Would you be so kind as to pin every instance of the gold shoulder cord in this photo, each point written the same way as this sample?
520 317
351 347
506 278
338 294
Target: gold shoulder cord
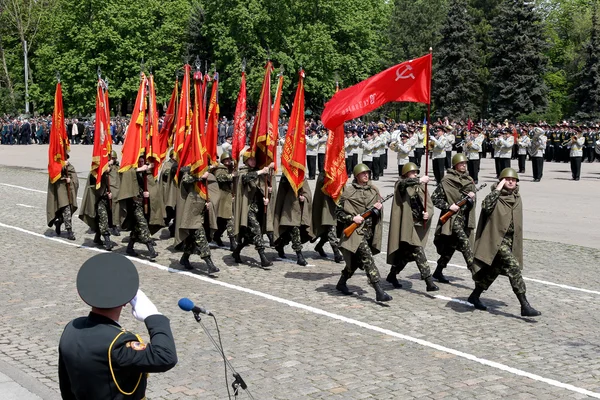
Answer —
112 372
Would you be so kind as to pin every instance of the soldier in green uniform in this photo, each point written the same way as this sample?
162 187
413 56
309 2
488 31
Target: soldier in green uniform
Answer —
454 234
97 358
225 176
324 222
358 249
169 191
61 200
499 242
114 216
409 226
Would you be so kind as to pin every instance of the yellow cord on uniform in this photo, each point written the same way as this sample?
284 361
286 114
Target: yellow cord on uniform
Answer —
113 372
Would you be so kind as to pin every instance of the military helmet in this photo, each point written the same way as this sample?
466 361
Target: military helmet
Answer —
359 169
225 156
409 167
458 158
113 154
509 173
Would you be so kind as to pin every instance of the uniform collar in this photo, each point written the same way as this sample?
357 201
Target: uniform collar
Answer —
101 319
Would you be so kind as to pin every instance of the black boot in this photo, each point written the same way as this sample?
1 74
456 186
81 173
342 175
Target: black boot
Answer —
130 249
115 231
232 244
431 287
280 251
57 227
341 285
218 241
381 295
70 234
438 274
474 298
153 253
338 257
185 261
97 238
212 268
319 248
271 239
237 251
301 260
264 261
393 279
172 230
108 245
526 309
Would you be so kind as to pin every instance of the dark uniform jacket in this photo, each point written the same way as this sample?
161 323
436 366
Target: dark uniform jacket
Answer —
85 370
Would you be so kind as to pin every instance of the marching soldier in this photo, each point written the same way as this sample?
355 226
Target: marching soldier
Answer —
169 190
249 211
225 175
358 249
61 200
409 226
97 358
456 232
292 222
115 183
499 242
324 222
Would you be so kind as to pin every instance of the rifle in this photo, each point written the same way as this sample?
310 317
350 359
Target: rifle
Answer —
446 216
350 229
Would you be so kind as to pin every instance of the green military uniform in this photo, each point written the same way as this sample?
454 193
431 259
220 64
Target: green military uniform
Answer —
100 360
95 209
225 178
169 191
324 223
61 201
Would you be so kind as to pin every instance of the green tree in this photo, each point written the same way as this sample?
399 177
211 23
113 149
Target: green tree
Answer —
517 62
456 88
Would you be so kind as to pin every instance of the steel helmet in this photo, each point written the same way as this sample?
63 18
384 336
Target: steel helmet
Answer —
359 169
509 173
458 158
409 167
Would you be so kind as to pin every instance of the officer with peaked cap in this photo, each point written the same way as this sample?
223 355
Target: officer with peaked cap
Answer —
98 359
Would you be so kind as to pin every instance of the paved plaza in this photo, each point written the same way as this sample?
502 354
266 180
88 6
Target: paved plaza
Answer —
287 330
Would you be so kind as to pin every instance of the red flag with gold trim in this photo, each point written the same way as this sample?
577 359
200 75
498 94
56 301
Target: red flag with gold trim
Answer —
239 122
335 162
183 115
262 121
168 126
107 108
293 158
59 142
274 129
153 145
135 138
101 152
212 127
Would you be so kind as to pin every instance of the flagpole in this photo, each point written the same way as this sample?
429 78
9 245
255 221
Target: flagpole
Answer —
427 130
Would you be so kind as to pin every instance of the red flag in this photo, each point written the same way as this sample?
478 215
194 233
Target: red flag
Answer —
100 153
262 121
335 164
168 125
239 124
153 146
408 81
107 107
183 115
293 159
212 127
274 129
59 142
135 138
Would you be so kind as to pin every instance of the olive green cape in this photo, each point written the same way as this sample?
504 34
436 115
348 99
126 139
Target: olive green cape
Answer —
129 188
323 209
225 209
58 196
456 186
289 211
244 196
167 183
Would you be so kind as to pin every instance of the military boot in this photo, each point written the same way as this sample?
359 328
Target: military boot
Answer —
70 234
526 309
393 279
319 248
237 251
232 244
108 245
172 230
280 251
264 261
185 261
130 249
381 295
97 238
218 241
431 287
341 285
439 275
271 239
301 260
57 227
212 268
151 251
474 298
115 231
338 257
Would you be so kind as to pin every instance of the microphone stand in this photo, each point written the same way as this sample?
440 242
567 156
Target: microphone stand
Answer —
238 381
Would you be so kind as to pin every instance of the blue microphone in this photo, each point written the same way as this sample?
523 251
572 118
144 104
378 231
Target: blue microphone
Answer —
187 305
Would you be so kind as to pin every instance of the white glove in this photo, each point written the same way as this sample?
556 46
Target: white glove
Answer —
142 307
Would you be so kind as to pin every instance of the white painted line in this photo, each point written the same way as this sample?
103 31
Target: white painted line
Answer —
29 189
466 303
431 262
536 280
290 261
25 205
338 317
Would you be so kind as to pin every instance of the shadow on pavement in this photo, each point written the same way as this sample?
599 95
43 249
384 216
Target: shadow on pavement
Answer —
309 276
357 293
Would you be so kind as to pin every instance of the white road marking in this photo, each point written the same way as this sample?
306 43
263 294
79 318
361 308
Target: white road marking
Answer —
338 317
25 205
466 303
29 189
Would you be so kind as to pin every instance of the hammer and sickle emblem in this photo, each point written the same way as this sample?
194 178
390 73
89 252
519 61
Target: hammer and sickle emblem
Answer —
404 74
